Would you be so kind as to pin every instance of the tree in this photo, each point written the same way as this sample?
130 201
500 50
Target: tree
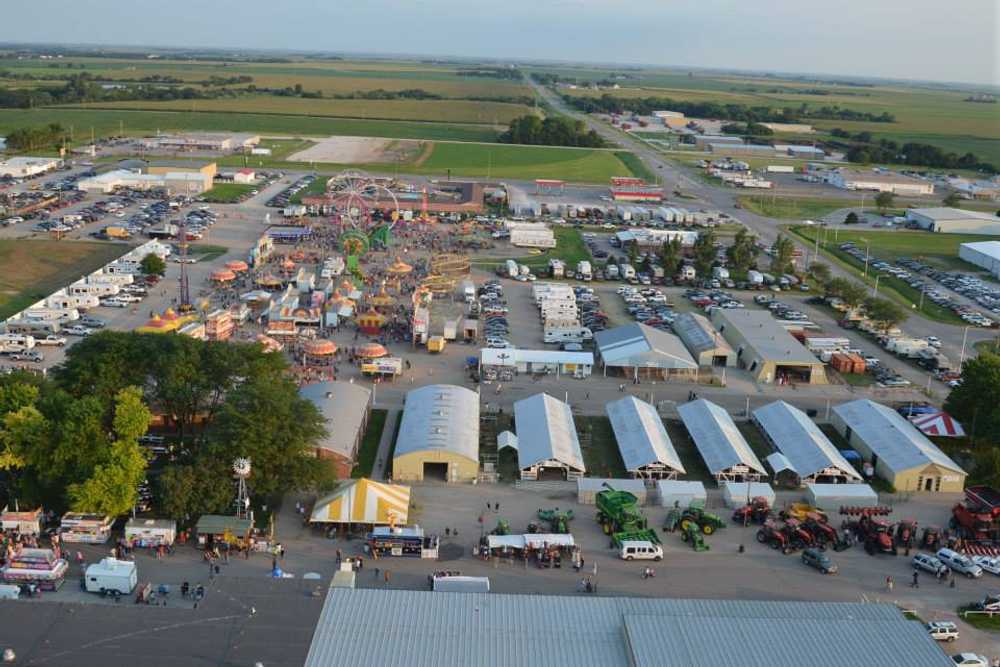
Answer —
189 490
743 251
821 272
670 256
782 254
852 219
153 265
704 252
952 200
886 313
884 201
633 253
976 402
851 293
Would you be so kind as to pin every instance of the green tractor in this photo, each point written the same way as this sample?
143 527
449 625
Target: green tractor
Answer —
696 516
558 521
503 527
691 534
619 515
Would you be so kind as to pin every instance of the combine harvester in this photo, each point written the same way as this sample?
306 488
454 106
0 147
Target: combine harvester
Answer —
978 521
619 515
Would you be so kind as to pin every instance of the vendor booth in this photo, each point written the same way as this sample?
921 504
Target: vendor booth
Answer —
85 528
213 529
40 567
150 532
543 549
405 541
26 523
365 502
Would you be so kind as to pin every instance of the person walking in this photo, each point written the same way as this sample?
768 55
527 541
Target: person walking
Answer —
386 576
916 580
889 584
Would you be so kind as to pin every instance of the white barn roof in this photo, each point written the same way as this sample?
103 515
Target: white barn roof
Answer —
642 438
440 417
796 436
343 406
896 442
546 432
643 346
720 443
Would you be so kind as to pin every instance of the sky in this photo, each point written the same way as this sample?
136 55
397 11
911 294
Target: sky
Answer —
955 41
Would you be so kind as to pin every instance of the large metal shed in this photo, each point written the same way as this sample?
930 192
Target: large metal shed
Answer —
723 448
831 497
680 493
703 341
807 451
642 440
547 443
439 435
736 494
639 351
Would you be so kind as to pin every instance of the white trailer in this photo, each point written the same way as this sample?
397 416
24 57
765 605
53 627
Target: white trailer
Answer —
17 341
570 335
627 271
111 576
69 301
780 169
584 269
52 314
120 279
720 273
755 277
150 532
97 290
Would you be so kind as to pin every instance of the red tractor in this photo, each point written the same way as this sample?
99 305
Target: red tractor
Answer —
876 535
756 512
797 536
906 533
979 518
931 539
771 535
824 534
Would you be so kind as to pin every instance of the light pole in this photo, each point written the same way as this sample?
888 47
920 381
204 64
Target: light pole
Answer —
866 256
965 336
875 291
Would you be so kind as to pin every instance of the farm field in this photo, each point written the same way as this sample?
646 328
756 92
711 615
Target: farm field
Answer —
791 208
31 270
439 111
110 122
579 165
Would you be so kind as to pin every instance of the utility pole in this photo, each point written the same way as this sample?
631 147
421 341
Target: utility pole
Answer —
965 335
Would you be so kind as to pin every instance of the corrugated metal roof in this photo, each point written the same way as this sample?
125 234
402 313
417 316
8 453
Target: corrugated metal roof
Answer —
699 335
796 436
343 406
897 443
434 629
779 463
769 340
546 432
719 442
440 417
639 345
642 438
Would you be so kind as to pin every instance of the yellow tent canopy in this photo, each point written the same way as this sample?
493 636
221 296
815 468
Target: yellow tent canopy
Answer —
364 501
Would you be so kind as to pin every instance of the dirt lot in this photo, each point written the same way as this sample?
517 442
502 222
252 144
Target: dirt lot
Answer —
359 150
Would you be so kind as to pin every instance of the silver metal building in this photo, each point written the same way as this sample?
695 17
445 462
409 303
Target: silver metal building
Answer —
639 351
346 407
723 448
438 435
642 440
807 452
547 444
436 629
703 341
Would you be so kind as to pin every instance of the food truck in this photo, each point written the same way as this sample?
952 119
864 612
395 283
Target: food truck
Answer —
404 541
85 528
150 532
26 523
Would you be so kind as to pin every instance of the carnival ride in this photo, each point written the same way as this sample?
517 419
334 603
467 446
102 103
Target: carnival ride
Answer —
365 210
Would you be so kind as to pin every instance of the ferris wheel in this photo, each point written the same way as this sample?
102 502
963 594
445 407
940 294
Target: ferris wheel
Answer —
361 202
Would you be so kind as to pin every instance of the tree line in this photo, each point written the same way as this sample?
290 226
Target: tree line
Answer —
512 74
33 138
645 106
72 441
553 131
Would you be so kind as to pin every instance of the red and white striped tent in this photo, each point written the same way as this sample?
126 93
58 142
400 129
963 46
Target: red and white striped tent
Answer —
938 423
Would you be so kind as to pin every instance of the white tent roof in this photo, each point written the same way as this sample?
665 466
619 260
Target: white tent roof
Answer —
720 443
796 436
642 438
897 443
440 417
506 439
640 345
546 432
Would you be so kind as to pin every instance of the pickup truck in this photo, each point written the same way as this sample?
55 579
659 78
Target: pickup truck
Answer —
27 355
51 339
78 331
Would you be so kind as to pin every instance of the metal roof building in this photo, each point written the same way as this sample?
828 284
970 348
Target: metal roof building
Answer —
807 451
346 407
984 254
703 341
637 350
439 435
901 454
726 453
434 629
547 443
765 349
954 220
642 440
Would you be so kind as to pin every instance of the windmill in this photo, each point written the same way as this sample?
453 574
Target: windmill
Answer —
241 469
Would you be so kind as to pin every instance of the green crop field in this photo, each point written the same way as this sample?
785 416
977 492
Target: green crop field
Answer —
108 122
31 270
636 166
579 165
439 111
227 193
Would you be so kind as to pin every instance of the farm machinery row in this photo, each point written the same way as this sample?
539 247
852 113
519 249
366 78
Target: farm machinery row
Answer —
620 517
977 521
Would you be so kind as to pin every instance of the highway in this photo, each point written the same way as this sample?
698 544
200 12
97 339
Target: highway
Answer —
766 228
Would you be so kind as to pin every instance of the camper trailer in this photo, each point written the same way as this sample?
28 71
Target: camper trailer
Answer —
111 576
96 290
71 301
52 314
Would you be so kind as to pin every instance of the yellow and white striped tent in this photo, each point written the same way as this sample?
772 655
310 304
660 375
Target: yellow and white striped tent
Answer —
364 501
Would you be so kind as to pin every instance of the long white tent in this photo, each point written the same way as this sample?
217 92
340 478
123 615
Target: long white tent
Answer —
809 453
547 443
723 448
642 440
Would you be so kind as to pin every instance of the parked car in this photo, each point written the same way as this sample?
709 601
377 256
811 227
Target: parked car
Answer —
819 560
28 355
969 660
77 330
942 631
928 563
988 563
959 563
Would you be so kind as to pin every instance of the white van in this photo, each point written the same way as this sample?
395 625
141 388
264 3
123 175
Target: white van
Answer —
641 550
959 563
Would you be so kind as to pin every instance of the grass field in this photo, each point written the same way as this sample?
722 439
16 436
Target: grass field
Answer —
579 165
227 193
601 456
31 270
207 252
437 111
694 465
637 166
108 122
369 445
570 248
791 208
